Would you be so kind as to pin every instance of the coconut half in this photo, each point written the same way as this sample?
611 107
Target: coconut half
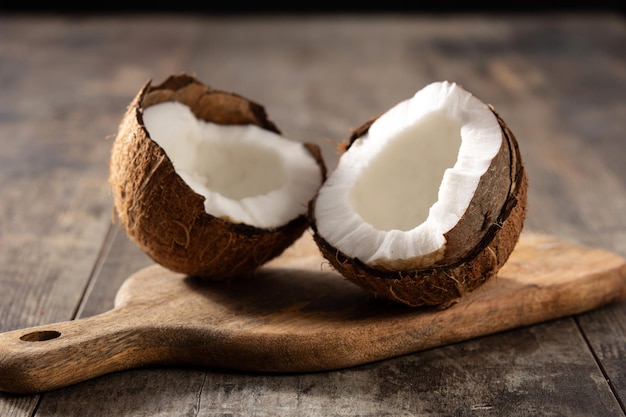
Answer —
205 184
428 200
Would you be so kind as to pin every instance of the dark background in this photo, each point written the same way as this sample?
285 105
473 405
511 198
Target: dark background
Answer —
230 7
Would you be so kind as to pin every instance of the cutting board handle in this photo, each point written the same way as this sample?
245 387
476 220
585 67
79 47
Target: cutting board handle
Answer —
50 356
292 317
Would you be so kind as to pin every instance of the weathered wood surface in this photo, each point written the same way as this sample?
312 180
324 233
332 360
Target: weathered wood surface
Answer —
559 81
295 315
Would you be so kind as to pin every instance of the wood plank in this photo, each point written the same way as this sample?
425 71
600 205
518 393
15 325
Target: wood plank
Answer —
494 375
119 259
365 405
318 78
470 377
293 317
60 102
55 207
576 163
516 373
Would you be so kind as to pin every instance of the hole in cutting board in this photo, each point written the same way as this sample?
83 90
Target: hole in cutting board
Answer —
40 336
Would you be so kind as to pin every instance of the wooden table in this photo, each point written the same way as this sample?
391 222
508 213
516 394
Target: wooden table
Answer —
559 81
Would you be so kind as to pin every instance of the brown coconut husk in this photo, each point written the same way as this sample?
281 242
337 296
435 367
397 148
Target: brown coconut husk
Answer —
477 247
163 215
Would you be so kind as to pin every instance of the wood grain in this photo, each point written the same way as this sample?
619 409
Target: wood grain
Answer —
557 79
292 317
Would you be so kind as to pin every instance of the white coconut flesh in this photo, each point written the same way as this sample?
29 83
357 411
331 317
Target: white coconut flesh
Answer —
246 174
400 187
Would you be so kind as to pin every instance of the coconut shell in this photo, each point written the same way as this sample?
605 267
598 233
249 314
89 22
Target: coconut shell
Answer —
476 248
163 215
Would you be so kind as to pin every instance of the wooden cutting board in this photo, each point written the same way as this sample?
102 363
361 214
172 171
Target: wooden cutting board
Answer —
297 315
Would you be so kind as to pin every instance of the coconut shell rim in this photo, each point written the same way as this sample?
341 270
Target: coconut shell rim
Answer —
510 203
176 250
183 80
